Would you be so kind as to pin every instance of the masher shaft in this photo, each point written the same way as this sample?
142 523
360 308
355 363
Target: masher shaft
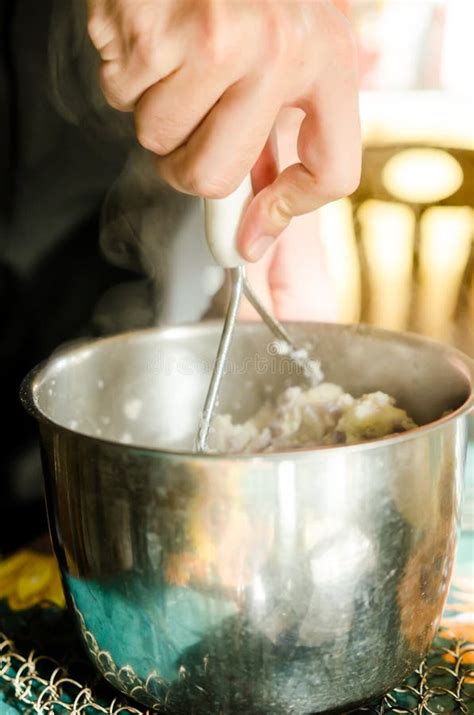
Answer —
237 278
298 355
276 328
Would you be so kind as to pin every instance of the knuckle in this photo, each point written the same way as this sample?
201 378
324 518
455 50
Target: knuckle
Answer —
149 137
154 131
276 39
343 42
95 29
111 89
141 34
192 181
342 182
280 211
214 47
144 48
352 181
279 45
199 182
214 41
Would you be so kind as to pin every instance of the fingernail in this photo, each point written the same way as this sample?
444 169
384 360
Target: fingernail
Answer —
258 247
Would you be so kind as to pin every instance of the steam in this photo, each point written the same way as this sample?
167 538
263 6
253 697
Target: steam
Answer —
157 232
146 226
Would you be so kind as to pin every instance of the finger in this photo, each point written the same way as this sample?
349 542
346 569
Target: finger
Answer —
169 111
124 80
227 144
298 278
135 47
329 148
264 172
101 27
265 169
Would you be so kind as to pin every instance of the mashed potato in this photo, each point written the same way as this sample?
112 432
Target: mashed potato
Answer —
307 418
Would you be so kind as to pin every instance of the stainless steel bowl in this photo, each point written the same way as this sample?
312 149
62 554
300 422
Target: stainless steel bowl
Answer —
294 582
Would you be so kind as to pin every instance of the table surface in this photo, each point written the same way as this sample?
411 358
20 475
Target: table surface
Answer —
42 668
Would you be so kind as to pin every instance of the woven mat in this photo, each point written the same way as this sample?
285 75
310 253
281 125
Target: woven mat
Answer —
43 671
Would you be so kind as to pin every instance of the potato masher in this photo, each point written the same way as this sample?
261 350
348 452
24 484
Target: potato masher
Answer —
222 219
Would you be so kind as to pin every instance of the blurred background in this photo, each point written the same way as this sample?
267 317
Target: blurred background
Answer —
399 252
404 254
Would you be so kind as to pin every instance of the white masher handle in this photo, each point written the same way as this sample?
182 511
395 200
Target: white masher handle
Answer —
222 219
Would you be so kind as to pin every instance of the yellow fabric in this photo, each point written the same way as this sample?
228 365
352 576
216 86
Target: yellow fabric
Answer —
28 579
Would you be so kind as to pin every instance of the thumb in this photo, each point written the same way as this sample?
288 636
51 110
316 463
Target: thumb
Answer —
291 194
329 168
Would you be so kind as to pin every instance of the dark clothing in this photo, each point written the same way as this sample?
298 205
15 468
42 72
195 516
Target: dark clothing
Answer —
62 150
53 179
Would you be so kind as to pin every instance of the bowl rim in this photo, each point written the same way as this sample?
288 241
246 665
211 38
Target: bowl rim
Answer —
462 362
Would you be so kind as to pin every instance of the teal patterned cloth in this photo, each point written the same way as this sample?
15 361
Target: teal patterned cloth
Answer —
445 681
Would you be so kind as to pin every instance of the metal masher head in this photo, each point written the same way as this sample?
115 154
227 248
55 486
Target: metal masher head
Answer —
222 219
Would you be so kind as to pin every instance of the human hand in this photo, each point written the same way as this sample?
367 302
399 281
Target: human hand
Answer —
207 79
292 278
